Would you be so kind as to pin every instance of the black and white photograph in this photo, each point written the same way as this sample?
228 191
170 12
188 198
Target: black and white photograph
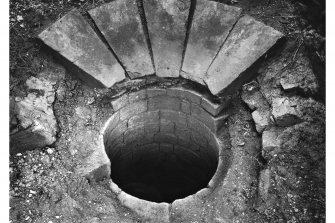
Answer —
166 111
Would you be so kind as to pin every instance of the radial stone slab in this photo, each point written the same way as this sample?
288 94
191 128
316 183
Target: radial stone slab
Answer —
120 23
166 21
74 39
248 41
211 24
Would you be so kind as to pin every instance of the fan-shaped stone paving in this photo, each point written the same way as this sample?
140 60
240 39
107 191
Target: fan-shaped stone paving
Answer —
211 25
120 24
73 38
221 44
153 131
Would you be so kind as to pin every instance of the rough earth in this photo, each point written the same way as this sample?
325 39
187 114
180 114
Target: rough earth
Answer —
281 114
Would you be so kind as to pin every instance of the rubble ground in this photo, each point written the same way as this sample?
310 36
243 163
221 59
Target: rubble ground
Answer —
281 113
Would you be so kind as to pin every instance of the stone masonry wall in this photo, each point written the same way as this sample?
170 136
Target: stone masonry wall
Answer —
176 116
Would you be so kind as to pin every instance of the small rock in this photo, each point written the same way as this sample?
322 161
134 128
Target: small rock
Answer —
90 100
254 98
19 154
19 18
271 143
284 112
261 119
50 151
288 86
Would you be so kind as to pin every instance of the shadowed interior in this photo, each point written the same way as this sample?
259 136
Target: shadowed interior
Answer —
158 151
161 172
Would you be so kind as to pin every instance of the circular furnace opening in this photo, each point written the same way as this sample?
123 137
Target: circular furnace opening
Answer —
159 151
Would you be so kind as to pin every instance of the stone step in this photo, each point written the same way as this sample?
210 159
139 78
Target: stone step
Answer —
74 39
247 42
211 24
120 23
166 21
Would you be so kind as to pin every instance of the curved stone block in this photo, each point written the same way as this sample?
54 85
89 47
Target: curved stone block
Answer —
119 21
247 42
166 21
74 39
211 24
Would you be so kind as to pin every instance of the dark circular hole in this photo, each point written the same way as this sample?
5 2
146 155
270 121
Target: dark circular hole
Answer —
160 154
161 172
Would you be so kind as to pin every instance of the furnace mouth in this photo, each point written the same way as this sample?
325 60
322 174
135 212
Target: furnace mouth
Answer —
158 151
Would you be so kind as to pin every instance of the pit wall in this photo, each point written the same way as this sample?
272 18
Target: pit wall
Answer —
176 116
187 119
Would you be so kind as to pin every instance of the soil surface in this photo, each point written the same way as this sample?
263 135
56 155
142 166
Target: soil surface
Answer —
281 114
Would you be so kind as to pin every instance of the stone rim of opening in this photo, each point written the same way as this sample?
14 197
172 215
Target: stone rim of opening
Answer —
143 207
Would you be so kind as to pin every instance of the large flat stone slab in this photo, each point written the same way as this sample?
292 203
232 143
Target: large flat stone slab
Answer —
119 21
211 24
166 20
248 41
36 116
74 39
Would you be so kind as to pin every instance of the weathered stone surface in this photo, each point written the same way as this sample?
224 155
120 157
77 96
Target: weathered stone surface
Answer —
248 41
212 107
35 115
133 134
264 183
202 115
271 143
120 23
166 126
137 96
152 92
284 111
211 24
30 138
164 102
120 102
95 163
190 206
300 77
174 116
261 119
73 38
117 132
188 94
151 212
185 106
133 109
144 119
162 137
167 30
198 126
253 97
